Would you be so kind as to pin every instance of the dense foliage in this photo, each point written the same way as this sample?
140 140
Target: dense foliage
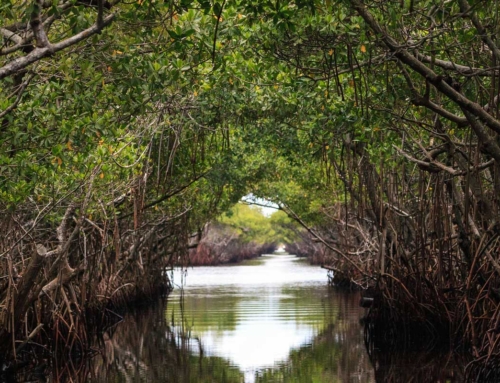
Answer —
250 222
126 127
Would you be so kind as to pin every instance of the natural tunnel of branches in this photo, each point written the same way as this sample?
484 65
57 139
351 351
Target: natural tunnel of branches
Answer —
127 129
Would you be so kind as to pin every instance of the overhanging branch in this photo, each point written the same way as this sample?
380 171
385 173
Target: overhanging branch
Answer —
41 52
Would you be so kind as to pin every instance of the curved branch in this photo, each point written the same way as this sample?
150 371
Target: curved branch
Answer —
39 53
418 66
460 69
9 35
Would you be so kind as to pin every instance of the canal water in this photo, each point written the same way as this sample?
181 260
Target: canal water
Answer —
269 320
272 319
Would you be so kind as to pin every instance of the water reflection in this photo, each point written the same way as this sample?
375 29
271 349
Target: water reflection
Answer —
416 363
144 349
268 321
147 349
407 366
263 316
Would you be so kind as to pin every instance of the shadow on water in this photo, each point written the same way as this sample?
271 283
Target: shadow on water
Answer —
415 363
148 348
145 347
334 354
142 348
412 352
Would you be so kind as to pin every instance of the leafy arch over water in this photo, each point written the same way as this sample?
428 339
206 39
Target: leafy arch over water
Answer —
126 127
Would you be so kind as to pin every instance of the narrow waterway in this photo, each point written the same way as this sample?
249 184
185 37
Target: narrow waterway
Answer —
269 320
272 319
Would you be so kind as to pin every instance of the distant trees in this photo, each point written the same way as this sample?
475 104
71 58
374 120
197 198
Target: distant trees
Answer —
243 232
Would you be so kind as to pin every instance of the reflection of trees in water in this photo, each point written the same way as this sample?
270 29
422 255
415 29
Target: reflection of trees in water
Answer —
333 356
417 362
336 354
216 313
144 348
140 349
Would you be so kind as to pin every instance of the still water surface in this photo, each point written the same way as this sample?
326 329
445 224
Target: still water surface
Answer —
270 320
273 319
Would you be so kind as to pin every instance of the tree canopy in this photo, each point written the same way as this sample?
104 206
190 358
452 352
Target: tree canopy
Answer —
126 126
